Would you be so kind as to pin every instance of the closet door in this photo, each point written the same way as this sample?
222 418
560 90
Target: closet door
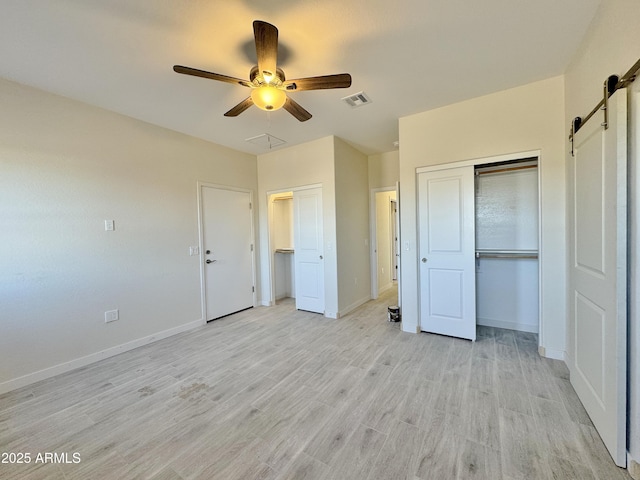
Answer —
308 240
447 248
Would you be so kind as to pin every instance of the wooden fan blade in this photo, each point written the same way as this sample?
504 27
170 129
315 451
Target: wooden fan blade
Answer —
213 76
266 36
296 110
239 108
340 80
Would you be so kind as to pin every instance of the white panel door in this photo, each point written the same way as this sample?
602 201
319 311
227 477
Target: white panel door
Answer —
598 274
308 250
227 251
447 252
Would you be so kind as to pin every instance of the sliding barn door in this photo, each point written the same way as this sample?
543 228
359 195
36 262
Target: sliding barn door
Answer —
447 252
598 274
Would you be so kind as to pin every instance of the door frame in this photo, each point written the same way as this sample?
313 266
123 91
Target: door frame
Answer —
270 260
203 286
373 243
483 161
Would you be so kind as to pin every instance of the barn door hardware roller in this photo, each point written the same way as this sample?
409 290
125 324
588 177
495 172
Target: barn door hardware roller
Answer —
608 88
611 85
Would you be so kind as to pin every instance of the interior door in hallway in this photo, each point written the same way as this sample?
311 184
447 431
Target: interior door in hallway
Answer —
308 249
227 251
446 252
598 274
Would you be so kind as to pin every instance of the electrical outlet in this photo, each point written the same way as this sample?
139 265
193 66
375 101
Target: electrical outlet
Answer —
111 316
109 225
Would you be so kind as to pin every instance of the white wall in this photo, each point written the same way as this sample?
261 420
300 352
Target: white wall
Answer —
65 167
352 221
307 164
526 118
384 169
611 47
383 239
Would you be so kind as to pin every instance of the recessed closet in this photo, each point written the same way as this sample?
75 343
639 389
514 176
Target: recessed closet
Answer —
282 244
506 225
478 244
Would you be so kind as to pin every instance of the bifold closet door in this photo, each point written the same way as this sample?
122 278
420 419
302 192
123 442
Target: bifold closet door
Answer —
446 252
598 274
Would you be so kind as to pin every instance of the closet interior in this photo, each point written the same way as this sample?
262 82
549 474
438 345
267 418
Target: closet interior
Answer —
282 244
506 217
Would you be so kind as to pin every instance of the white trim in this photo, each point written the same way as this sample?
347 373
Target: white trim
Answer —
203 296
34 377
480 161
553 354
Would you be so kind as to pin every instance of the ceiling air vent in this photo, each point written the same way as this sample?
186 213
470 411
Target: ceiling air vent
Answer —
266 141
357 99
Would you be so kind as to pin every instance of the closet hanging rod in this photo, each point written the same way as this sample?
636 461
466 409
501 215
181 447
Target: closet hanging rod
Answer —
531 254
507 169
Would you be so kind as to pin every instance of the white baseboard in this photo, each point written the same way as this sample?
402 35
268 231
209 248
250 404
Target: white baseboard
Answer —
34 377
551 353
385 288
353 306
521 327
266 303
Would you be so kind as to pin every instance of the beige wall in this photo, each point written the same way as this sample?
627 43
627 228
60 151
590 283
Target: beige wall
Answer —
526 118
65 167
297 166
611 47
384 169
352 221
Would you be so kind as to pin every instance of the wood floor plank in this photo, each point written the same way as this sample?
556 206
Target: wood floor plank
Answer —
357 458
524 455
398 458
438 455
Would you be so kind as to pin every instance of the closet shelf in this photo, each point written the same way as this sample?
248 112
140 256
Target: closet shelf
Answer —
488 253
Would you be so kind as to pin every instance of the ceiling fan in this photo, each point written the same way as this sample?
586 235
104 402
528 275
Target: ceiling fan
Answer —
267 82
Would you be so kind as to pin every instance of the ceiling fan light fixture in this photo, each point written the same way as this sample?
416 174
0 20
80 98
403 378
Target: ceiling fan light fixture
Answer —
268 98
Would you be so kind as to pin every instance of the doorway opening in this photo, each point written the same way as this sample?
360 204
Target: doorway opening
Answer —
385 241
479 242
296 240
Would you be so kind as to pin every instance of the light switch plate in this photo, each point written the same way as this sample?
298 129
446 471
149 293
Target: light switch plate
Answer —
111 316
194 251
109 225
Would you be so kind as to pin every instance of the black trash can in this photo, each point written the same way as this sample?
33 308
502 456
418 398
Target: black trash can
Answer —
393 313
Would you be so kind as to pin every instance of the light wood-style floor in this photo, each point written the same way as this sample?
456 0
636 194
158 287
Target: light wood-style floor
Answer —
273 393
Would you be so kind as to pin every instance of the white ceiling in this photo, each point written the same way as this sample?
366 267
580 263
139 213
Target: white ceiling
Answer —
408 56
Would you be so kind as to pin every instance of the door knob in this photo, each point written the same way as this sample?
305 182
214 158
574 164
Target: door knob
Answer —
424 260
211 261
320 257
208 252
